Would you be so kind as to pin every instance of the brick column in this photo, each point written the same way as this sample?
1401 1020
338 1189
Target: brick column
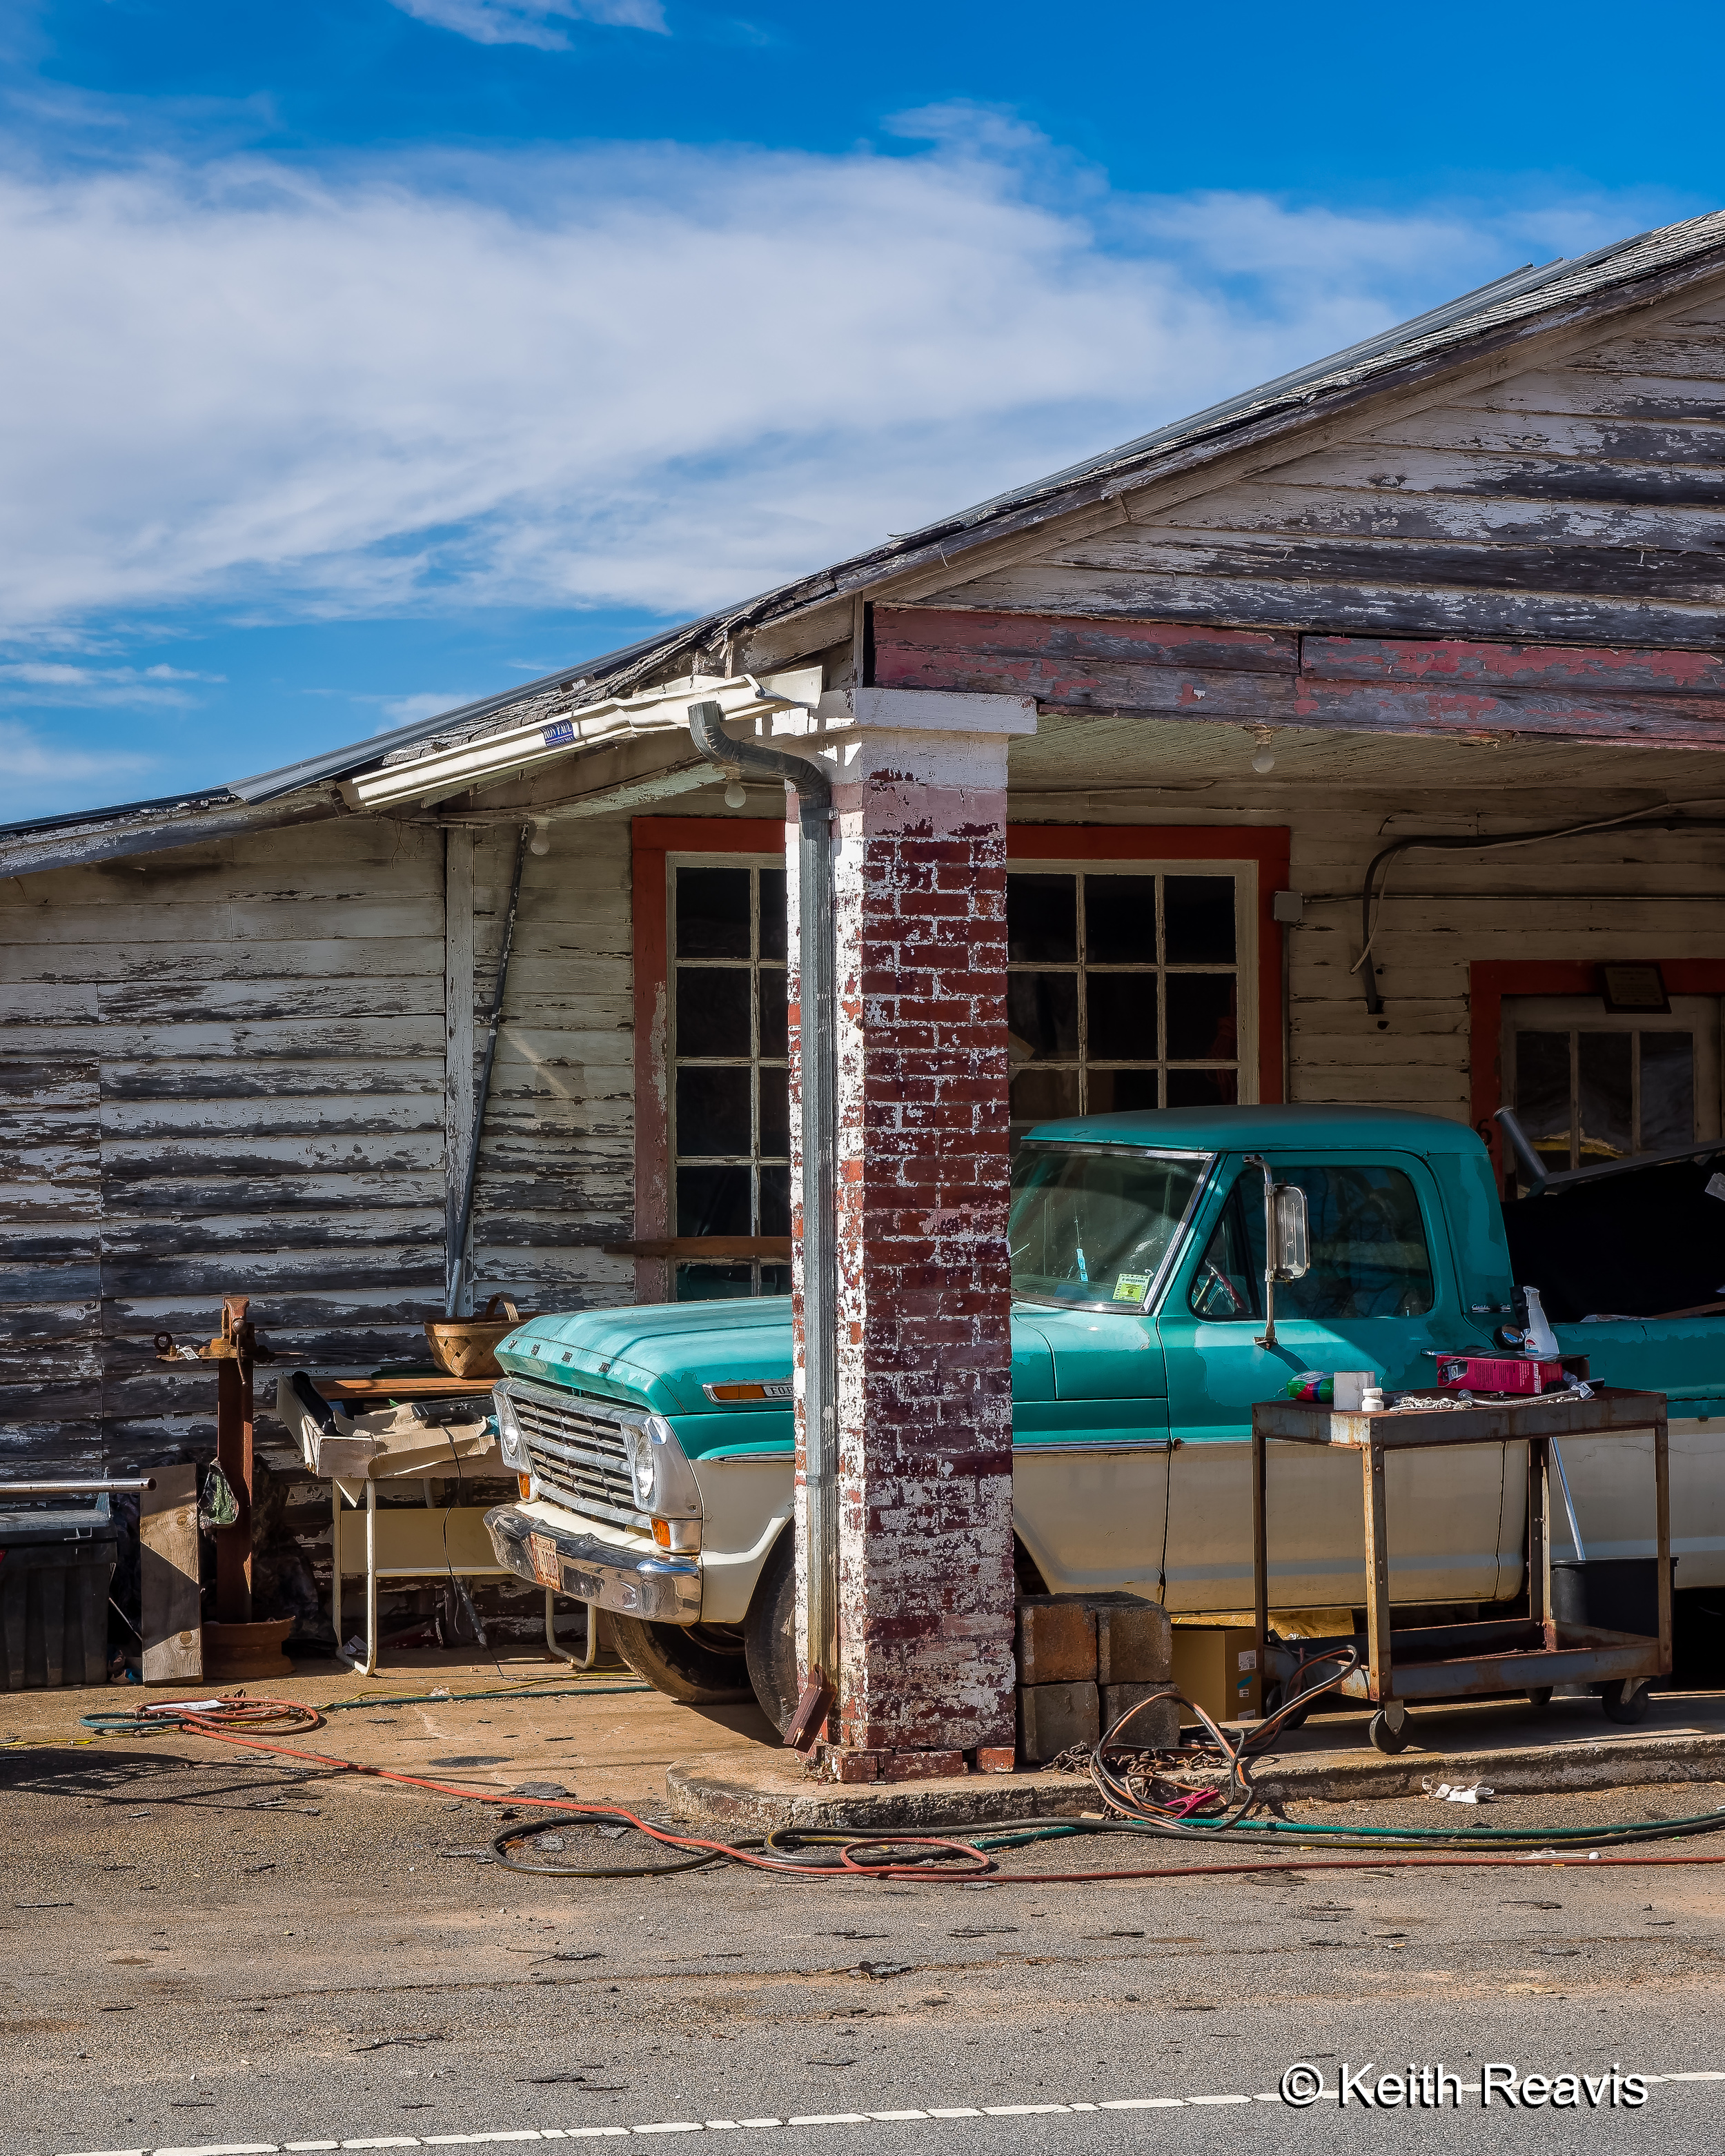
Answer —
925 1594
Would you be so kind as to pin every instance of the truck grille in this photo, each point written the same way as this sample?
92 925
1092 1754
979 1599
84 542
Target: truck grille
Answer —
576 1450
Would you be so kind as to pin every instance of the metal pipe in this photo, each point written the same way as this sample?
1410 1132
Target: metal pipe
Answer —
127 1483
458 1270
1568 1503
817 964
1267 1338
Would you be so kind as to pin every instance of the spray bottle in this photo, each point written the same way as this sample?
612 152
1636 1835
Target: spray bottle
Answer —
1541 1341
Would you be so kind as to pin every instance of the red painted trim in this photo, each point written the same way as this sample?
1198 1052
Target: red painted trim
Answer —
653 838
1268 846
1490 980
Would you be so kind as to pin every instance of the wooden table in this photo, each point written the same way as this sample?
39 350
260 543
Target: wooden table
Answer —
402 1541
1499 1655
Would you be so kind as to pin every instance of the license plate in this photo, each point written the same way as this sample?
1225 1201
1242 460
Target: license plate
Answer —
546 1565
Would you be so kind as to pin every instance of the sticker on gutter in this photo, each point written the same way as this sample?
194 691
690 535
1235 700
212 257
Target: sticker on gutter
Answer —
559 733
1132 1287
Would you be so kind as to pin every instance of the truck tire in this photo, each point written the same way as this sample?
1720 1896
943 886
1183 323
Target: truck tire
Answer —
700 1665
769 1634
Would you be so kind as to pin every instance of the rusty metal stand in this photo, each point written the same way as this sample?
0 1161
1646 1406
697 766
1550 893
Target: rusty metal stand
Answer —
1502 1655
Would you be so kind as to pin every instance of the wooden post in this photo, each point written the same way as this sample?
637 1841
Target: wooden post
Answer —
233 1456
1378 1649
458 1041
1539 1531
1662 1529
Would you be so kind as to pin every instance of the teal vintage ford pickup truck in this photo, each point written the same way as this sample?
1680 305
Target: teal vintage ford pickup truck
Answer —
657 1441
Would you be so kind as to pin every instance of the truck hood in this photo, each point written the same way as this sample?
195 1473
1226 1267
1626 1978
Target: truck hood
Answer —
661 1355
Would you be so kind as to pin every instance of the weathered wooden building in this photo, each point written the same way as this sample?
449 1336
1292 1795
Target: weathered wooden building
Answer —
1458 586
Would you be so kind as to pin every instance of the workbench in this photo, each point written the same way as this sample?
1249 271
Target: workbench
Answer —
1528 1655
375 1439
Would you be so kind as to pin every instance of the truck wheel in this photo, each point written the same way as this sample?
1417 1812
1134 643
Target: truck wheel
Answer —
700 1665
770 1634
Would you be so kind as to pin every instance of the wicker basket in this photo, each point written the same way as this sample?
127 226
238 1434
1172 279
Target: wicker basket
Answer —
466 1347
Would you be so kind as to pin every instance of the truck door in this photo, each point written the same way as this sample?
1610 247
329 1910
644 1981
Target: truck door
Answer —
1381 1291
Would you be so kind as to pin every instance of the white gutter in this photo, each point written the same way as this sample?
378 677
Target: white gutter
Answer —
496 757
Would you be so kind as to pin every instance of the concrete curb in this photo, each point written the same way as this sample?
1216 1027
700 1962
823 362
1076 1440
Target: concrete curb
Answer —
756 1798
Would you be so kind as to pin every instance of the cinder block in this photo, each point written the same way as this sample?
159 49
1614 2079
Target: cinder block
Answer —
921 1766
996 1760
1135 1644
1051 1716
1057 1640
1154 1728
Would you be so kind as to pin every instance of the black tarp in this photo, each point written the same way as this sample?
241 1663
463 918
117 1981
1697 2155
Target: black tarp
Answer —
1642 1244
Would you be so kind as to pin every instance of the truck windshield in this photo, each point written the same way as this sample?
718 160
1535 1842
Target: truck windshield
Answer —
1094 1226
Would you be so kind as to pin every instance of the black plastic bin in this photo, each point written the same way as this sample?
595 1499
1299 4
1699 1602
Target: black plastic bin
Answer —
56 1564
1611 1593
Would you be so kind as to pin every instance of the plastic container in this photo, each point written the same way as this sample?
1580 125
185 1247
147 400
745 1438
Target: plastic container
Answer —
1611 1593
56 1566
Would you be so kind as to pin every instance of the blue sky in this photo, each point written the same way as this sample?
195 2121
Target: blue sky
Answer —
360 357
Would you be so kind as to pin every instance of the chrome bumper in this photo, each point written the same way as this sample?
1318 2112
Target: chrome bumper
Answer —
666 1589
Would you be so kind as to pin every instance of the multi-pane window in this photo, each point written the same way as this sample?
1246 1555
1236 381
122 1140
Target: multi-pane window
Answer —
729 1054
1122 990
1589 1086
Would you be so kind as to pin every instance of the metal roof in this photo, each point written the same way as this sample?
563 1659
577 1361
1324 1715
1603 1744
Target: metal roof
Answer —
1520 298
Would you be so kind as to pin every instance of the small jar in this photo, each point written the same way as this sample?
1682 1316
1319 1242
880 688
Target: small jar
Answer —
1371 1400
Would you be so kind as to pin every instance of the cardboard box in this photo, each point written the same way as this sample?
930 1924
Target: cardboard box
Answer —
1217 1666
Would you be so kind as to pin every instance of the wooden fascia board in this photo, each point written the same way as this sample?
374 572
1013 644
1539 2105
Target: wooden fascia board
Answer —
83 845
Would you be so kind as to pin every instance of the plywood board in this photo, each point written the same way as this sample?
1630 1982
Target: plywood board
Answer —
171 1620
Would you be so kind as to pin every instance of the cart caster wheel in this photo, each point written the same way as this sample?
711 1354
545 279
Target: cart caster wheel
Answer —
1621 1708
1385 1738
1540 1697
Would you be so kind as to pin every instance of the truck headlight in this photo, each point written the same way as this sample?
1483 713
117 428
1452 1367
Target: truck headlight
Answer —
663 1481
511 1439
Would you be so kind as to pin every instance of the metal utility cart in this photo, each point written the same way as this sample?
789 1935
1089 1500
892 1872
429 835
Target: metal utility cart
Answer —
1526 1654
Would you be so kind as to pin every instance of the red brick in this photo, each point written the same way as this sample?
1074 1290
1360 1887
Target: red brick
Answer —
922 1766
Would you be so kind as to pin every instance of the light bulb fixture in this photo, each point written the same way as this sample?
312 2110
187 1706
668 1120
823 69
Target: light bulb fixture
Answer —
735 796
540 843
1265 759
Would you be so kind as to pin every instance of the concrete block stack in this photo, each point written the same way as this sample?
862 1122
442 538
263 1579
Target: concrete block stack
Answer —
1084 1659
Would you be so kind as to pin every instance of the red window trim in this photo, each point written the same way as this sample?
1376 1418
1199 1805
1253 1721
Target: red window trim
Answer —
655 837
1490 980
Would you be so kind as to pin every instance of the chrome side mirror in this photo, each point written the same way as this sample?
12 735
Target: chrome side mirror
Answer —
1290 1253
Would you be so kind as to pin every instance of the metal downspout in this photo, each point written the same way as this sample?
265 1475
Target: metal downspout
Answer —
458 1271
816 1032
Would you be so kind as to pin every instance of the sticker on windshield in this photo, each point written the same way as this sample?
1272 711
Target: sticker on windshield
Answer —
1132 1287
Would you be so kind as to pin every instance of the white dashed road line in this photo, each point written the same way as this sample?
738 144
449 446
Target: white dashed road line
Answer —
737 2125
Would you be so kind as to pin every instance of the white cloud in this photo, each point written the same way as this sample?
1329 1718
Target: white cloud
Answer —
402 711
38 681
32 765
651 377
531 22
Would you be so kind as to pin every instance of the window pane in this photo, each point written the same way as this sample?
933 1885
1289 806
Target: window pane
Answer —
1042 1009
714 1283
1603 1065
1039 1097
1369 1254
772 915
1042 917
775 1201
713 913
1201 1016
775 1124
1229 1284
1198 919
775 1018
1114 1092
1120 920
1085 1228
1122 1014
1668 1090
712 1010
712 1116
713 1201
775 1280
1543 1093
1202 1089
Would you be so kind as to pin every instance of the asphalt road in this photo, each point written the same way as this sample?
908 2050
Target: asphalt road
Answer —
201 1949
